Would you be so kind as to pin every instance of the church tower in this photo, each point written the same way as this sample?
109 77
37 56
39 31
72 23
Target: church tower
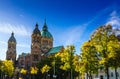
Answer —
46 39
35 46
11 51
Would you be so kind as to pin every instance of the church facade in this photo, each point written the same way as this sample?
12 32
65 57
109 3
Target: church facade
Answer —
41 45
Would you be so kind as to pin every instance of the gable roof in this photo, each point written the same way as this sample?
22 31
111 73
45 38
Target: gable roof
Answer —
55 50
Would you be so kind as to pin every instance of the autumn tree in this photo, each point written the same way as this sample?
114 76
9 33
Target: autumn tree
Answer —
7 67
69 60
89 60
103 41
23 72
47 66
33 71
114 55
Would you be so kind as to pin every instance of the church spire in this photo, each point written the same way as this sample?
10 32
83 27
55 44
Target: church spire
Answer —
12 34
45 28
36 30
12 38
36 25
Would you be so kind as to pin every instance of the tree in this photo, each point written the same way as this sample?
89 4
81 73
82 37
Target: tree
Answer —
89 60
101 39
23 72
61 64
33 71
41 66
52 61
114 55
7 67
68 58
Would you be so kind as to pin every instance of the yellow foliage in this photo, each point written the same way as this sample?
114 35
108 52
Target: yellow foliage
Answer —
103 60
23 71
7 67
46 68
66 66
58 54
20 78
34 70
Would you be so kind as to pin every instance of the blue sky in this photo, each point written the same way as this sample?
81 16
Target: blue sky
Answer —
69 21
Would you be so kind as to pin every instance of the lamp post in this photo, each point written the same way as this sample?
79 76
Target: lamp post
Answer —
54 76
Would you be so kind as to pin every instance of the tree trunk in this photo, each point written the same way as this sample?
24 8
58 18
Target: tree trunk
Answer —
71 75
87 75
107 72
116 73
90 76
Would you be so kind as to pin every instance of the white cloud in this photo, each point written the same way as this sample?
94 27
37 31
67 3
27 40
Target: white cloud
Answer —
18 29
114 20
72 35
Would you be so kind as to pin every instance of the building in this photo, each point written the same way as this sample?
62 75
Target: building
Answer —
102 75
41 45
11 50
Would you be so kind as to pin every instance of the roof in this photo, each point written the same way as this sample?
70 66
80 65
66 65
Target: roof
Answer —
45 32
24 54
55 50
36 30
12 38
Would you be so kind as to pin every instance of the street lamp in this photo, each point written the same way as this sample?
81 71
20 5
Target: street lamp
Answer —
54 76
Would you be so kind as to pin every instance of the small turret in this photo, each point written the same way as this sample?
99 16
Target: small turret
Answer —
36 30
12 38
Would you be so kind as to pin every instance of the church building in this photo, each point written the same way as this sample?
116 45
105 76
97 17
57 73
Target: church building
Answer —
41 46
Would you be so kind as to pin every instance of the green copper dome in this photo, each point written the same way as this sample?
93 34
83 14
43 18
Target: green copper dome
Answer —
12 38
45 32
36 30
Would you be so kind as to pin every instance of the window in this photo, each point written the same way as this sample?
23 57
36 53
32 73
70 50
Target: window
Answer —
111 74
45 42
117 74
35 57
101 76
22 62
